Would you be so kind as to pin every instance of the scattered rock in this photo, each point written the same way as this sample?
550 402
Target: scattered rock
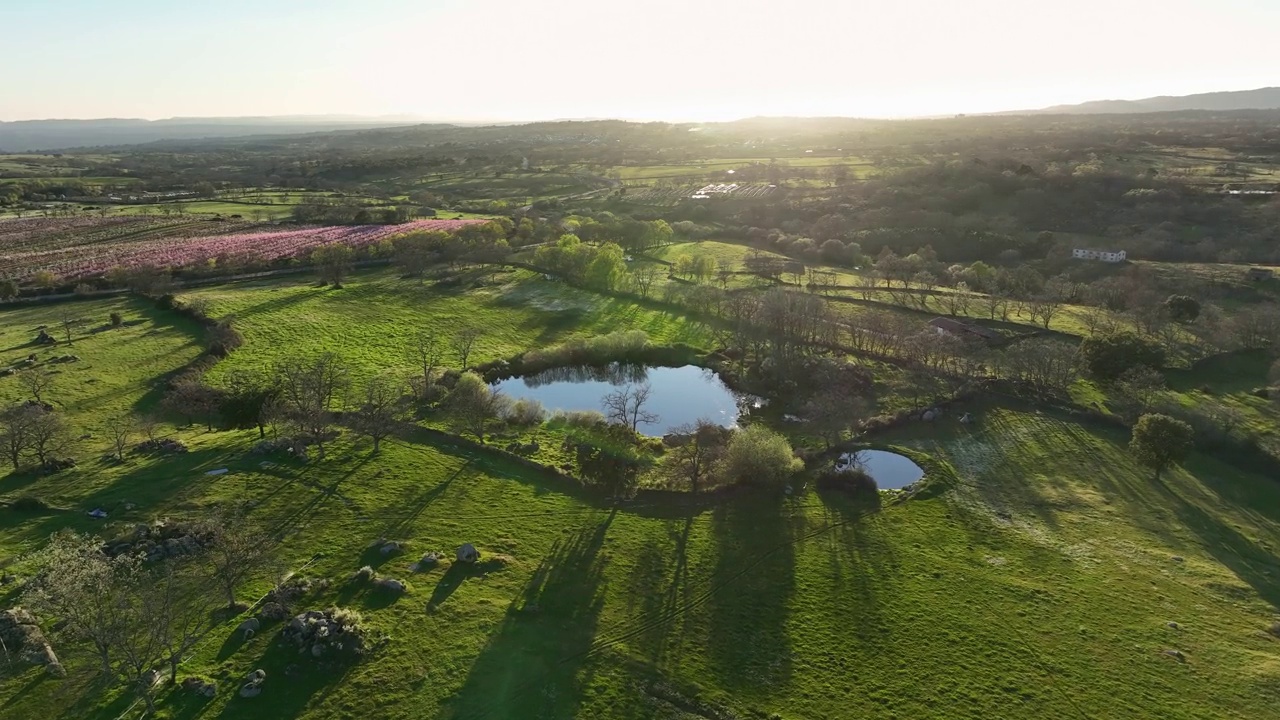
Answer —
163 446
249 627
1173 625
427 561
391 584
1176 655
200 686
57 465
161 539
218 471
390 547
1178 558
468 553
44 338
273 611
337 632
257 675
249 690
23 638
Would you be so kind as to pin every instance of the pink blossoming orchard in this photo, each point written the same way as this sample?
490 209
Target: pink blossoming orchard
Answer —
81 248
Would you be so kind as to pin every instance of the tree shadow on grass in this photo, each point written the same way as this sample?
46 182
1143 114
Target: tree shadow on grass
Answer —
533 663
286 694
748 646
860 563
1250 561
660 588
420 503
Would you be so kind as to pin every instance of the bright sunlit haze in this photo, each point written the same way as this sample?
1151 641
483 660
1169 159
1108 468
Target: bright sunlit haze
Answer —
502 60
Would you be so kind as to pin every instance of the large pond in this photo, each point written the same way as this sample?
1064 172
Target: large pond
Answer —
891 471
679 395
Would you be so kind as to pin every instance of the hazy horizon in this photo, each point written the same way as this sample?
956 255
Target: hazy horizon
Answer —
493 61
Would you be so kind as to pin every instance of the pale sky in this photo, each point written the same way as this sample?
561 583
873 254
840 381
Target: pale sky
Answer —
639 59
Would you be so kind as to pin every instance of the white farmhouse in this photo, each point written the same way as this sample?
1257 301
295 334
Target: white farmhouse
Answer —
1103 255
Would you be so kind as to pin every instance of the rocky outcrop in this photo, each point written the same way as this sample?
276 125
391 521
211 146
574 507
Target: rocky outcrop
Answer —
24 641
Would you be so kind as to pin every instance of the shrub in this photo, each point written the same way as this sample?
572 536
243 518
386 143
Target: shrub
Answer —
579 351
364 574
116 318
30 503
759 456
1109 356
166 302
526 412
854 481
580 418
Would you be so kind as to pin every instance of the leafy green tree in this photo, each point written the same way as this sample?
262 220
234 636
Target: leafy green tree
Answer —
1107 357
472 404
8 289
657 232
759 456
248 395
1182 308
333 261
1159 441
607 267
704 266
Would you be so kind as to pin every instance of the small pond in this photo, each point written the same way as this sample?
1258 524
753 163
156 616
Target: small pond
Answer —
891 471
680 395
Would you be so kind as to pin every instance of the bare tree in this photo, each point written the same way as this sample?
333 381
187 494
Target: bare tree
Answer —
309 391
180 613
237 551
464 341
148 424
70 321
49 433
693 458
625 406
16 431
193 400
88 591
380 411
120 429
427 351
830 413
643 277
36 380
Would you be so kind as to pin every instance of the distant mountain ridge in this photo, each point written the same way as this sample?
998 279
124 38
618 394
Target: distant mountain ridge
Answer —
38 135
1267 98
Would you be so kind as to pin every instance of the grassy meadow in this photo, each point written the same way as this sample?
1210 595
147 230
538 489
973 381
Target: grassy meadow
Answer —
1054 579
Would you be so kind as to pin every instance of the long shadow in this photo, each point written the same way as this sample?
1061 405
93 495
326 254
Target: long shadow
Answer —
419 504
154 483
286 694
534 663
861 565
449 583
747 645
1251 562
660 588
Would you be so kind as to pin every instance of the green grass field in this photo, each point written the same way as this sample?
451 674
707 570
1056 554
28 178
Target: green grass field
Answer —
1055 579
373 319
